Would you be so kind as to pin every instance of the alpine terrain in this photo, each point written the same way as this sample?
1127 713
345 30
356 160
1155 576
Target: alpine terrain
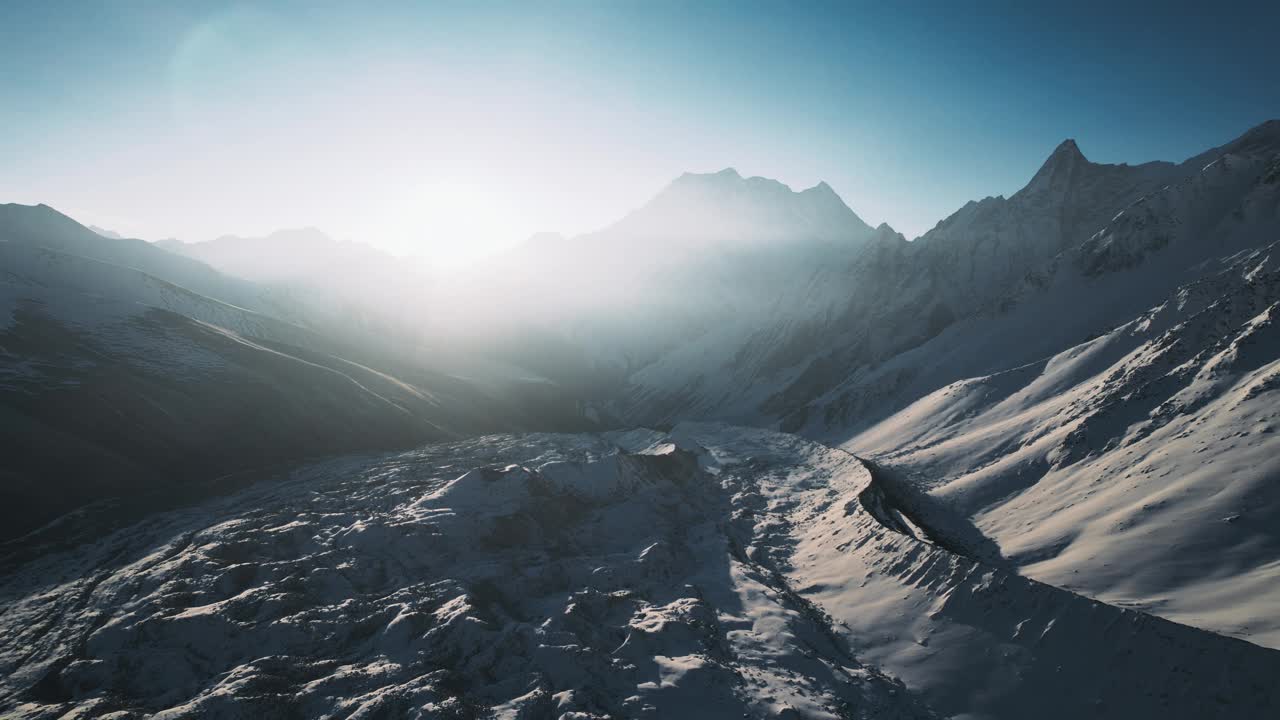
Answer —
737 454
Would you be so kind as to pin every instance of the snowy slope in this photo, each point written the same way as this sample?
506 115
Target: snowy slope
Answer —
40 226
715 572
914 590
1137 467
35 266
102 396
115 382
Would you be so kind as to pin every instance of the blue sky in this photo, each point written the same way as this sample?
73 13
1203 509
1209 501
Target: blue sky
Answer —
448 130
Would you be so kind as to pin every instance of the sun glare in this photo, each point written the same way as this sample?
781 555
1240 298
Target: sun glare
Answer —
452 224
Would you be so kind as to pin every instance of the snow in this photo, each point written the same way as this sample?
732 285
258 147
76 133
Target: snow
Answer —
1107 468
556 571
714 572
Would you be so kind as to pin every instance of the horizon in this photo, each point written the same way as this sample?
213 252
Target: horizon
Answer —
396 130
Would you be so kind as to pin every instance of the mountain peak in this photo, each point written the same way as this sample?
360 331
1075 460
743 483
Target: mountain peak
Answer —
1067 153
1068 148
1059 168
822 188
724 205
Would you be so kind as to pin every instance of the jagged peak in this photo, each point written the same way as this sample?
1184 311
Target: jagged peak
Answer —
1068 148
1059 167
1067 154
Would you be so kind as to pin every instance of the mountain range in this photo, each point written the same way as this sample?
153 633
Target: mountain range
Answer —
1051 407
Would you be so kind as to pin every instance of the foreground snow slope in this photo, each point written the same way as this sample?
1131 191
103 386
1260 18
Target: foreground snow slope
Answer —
714 572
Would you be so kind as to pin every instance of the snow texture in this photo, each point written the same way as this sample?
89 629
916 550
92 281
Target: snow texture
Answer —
714 572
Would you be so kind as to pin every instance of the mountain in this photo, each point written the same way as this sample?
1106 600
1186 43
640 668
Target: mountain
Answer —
118 380
1125 454
1137 467
725 210
1023 465
1060 353
834 333
1134 249
43 227
714 571
696 270
739 299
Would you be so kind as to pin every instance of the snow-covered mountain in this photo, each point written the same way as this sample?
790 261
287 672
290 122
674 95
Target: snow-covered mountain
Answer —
715 572
1209 209
1023 465
671 295
739 299
1013 360
41 226
1138 467
117 379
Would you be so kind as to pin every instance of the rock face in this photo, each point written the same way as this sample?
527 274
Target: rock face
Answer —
713 572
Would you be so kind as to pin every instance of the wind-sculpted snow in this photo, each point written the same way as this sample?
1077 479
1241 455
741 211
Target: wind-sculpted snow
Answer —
713 572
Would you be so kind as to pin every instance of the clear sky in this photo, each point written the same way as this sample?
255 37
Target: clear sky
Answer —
447 130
